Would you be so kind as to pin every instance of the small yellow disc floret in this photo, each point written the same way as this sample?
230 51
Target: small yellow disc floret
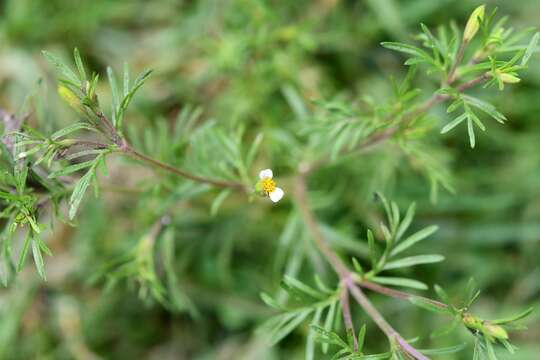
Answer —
268 185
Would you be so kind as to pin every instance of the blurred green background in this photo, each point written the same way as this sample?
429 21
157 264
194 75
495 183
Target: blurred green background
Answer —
248 62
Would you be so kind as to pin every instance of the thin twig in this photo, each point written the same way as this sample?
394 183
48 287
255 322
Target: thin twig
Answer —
311 224
347 317
111 130
345 275
459 57
124 147
381 136
376 316
161 165
396 293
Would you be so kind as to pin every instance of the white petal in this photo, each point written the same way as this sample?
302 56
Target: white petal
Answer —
276 195
265 174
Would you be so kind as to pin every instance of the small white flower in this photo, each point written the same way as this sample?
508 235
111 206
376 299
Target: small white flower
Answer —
268 186
276 195
266 174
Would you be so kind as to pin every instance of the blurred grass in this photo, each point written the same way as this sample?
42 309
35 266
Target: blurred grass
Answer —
240 60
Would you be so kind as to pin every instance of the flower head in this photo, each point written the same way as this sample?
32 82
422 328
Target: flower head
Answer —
267 186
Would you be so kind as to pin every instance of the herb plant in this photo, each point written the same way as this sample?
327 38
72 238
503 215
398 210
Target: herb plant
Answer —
49 173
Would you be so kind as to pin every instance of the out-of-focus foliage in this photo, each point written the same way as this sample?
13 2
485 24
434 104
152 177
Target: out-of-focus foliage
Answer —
160 267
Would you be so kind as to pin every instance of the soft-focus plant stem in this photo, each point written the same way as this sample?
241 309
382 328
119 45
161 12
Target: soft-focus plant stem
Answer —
381 322
395 293
347 317
127 149
381 136
345 275
120 142
436 98
457 61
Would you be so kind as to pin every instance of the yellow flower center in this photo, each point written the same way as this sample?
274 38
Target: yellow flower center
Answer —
268 185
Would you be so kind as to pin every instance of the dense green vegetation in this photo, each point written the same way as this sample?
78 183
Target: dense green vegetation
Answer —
136 222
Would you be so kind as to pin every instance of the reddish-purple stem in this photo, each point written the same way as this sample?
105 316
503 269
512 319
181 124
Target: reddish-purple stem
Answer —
347 317
345 275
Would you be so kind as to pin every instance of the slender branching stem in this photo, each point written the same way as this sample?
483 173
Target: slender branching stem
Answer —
174 170
345 275
457 61
347 317
376 316
106 125
381 136
123 146
436 98
313 228
396 293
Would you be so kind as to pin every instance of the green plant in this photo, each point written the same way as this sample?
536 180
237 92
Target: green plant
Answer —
216 156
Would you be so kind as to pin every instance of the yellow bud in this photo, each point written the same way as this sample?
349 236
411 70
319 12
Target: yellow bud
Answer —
473 24
496 331
70 98
509 79
472 321
486 327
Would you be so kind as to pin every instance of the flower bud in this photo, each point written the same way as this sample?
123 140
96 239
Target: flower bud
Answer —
495 331
509 79
473 24
472 321
484 326
70 98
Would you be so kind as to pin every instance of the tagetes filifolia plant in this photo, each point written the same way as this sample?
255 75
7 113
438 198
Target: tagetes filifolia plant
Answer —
66 163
